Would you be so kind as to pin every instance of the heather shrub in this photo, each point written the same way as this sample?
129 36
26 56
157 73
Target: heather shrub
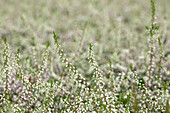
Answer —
51 79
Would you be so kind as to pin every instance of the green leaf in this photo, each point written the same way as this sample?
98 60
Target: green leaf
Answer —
91 46
52 81
55 36
5 39
110 64
131 66
147 27
159 40
47 44
164 86
156 27
61 74
18 51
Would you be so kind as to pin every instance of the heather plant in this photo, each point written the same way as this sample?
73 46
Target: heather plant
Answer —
49 80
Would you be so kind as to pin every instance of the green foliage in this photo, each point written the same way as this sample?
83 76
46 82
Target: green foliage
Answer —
5 39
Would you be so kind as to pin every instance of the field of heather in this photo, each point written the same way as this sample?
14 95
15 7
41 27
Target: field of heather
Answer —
84 56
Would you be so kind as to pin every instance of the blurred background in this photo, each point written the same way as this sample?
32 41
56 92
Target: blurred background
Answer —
115 27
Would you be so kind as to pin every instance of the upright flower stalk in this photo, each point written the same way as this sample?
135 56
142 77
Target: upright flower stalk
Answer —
7 74
153 31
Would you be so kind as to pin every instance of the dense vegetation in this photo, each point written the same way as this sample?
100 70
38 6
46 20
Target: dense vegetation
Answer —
84 56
